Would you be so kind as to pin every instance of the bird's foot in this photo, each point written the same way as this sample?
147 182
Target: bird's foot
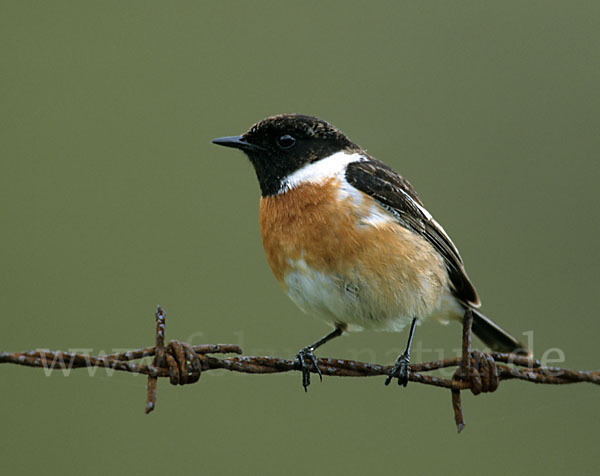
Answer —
400 370
302 356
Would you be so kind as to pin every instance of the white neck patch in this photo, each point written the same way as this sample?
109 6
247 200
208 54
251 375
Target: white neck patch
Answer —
324 169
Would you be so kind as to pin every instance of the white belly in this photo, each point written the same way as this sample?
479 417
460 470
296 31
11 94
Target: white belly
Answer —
346 300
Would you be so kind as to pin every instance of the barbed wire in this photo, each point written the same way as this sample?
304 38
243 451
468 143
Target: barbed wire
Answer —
183 364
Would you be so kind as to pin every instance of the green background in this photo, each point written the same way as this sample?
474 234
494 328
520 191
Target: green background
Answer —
113 200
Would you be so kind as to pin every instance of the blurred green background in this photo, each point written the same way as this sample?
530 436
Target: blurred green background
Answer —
114 200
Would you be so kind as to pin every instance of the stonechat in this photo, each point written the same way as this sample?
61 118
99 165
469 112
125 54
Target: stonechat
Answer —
350 241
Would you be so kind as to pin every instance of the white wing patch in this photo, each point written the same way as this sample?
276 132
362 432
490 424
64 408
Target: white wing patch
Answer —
377 217
334 166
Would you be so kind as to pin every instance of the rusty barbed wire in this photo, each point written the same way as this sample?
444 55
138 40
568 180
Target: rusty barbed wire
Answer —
183 363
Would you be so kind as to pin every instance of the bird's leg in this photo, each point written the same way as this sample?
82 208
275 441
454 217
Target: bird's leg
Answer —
308 352
401 369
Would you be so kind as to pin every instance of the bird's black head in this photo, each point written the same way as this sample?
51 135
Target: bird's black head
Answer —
279 145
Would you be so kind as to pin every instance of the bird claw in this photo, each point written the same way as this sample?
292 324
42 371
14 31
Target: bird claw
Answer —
301 356
400 370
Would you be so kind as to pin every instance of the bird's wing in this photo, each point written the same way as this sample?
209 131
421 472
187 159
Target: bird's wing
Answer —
395 194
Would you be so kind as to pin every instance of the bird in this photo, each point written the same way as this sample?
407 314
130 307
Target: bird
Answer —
350 241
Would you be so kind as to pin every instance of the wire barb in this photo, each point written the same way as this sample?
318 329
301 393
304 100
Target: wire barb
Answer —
183 364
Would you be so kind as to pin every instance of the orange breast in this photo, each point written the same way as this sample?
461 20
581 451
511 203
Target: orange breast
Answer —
403 272
307 222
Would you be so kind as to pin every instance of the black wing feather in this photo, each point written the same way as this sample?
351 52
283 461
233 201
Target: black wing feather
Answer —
397 195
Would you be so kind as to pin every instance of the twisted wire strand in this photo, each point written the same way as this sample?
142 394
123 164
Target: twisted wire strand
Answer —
182 363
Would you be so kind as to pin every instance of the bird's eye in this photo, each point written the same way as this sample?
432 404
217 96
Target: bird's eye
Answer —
286 142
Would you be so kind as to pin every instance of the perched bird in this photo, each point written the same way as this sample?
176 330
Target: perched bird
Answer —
350 241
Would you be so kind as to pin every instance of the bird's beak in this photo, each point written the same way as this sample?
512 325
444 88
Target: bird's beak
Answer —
237 142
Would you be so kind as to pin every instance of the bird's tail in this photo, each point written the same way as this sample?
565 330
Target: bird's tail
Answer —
495 337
